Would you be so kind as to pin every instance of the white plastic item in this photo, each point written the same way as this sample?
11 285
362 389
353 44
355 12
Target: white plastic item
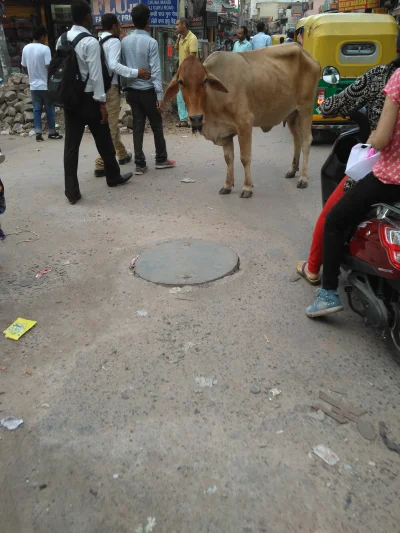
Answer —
359 164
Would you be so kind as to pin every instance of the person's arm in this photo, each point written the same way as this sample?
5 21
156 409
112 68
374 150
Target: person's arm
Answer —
93 60
23 62
249 48
269 40
47 57
113 55
354 97
194 46
387 122
155 69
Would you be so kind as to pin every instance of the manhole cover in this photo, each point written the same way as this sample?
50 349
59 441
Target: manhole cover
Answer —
186 262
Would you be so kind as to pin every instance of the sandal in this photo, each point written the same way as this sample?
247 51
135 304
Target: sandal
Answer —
182 124
302 272
39 137
55 136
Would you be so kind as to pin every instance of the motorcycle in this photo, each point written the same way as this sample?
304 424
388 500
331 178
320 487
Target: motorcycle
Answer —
372 251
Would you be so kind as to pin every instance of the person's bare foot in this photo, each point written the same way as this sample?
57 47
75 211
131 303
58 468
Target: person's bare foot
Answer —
312 278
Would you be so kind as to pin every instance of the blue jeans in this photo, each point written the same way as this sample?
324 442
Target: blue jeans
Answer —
182 111
40 99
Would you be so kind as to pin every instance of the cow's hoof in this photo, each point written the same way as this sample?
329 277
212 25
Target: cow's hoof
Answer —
302 184
290 175
225 191
246 193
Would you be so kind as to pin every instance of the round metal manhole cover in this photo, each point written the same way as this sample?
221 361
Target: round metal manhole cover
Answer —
186 262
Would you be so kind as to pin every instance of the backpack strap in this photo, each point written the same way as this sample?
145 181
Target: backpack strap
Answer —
64 39
102 41
79 38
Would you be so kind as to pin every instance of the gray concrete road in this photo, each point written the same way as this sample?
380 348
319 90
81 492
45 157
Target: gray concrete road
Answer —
116 436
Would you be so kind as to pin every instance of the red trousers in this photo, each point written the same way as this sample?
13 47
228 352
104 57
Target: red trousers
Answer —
315 257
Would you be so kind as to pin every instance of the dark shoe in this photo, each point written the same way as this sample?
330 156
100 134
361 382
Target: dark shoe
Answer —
126 159
73 201
168 163
55 136
124 178
100 173
39 138
141 170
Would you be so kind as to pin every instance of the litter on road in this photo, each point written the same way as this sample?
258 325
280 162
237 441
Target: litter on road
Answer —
188 180
255 389
11 423
19 328
326 454
42 273
366 429
205 382
383 431
141 312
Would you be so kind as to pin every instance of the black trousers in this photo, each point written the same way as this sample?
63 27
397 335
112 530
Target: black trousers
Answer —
75 122
144 104
347 213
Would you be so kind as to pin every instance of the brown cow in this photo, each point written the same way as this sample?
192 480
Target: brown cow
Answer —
231 93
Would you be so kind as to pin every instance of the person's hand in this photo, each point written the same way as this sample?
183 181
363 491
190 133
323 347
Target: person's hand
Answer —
371 138
104 114
159 106
144 74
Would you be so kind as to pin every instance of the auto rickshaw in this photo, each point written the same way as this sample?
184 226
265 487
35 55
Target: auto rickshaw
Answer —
346 45
276 39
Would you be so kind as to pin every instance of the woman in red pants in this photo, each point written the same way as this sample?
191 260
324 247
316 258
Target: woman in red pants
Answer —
366 91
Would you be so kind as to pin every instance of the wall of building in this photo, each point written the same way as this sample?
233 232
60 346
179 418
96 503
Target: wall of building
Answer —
315 7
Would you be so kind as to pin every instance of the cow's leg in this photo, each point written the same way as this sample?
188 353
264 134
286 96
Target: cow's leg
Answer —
229 154
244 137
294 126
305 119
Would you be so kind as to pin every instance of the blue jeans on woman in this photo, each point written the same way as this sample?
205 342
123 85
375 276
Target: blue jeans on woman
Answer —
40 99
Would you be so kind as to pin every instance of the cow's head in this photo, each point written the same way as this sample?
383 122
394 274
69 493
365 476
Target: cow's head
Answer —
192 78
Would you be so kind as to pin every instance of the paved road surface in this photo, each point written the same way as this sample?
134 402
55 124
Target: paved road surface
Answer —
113 432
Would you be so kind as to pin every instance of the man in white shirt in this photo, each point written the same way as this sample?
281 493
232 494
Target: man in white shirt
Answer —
92 112
110 41
36 58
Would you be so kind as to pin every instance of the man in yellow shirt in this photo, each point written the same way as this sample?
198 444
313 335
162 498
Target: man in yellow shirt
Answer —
186 44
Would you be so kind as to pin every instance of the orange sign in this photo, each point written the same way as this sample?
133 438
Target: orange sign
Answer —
170 50
353 5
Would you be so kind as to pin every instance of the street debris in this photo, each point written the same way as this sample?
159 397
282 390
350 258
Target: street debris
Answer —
347 467
383 431
263 445
188 180
294 278
205 382
11 423
180 290
27 372
148 528
133 261
266 339
336 416
279 432
255 389
42 273
353 410
19 328
212 490
366 429
3 368
347 501
43 486
371 463
116 476
275 392
45 405
93 492
141 312
326 454
317 415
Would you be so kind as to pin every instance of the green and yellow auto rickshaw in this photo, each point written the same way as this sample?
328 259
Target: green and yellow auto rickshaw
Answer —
346 45
276 38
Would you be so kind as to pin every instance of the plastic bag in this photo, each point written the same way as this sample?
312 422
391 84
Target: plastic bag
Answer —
361 162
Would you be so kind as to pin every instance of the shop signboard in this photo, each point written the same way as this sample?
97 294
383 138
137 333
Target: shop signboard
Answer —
162 12
195 22
214 6
353 5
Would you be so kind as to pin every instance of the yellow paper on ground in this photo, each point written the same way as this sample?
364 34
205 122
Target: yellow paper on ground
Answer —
19 328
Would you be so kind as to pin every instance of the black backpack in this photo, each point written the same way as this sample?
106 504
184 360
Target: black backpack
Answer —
65 84
106 74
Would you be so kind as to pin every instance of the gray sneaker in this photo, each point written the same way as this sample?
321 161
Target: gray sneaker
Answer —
141 170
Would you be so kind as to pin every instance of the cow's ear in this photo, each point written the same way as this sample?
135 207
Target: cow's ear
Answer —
173 88
215 84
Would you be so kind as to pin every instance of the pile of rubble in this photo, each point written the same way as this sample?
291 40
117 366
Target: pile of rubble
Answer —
16 109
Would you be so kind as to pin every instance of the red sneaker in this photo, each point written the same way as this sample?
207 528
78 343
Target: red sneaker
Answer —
168 163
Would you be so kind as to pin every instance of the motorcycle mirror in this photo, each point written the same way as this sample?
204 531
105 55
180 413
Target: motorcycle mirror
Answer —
331 75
